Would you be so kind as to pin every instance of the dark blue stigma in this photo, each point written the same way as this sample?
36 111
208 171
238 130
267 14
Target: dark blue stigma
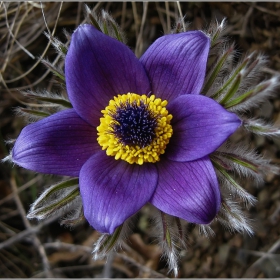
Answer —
134 124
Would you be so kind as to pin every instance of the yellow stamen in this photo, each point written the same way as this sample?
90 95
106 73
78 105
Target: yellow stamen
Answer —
114 146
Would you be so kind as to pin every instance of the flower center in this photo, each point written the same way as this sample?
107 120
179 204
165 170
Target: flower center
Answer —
135 128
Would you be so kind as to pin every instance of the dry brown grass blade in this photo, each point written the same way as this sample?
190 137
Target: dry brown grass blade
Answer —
255 26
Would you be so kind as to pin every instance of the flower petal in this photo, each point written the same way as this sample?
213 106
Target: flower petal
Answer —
98 67
114 190
176 64
188 190
200 125
59 144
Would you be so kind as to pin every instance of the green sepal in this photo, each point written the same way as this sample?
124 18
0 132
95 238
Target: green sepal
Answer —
244 195
54 70
234 219
216 36
227 209
180 229
105 24
73 221
241 161
63 49
166 231
35 112
56 188
227 176
219 161
232 90
216 70
214 46
107 242
178 28
94 22
118 35
261 128
58 101
245 96
229 81
60 47
172 240
105 27
49 209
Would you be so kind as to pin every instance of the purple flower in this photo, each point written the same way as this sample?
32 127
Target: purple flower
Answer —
155 152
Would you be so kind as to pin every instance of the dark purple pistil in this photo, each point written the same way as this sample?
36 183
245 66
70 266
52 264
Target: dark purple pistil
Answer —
134 124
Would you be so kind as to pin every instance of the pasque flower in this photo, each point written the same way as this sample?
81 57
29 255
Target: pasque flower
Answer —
139 131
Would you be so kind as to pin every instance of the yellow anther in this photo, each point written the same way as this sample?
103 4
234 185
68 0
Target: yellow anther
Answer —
114 146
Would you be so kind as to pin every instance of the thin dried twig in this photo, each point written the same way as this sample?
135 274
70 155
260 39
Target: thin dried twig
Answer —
87 249
36 240
258 262
43 54
181 15
168 21
262 9
161 18
27 232
246 19
135 15
139 42
20 189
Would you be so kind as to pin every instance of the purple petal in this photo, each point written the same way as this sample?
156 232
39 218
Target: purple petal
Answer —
114 190
200 125
188 190
59 144
98 67
176 64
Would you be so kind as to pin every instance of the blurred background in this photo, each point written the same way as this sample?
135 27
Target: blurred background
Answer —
46 249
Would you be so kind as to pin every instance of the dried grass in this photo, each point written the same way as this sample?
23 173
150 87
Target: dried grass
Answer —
47 250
